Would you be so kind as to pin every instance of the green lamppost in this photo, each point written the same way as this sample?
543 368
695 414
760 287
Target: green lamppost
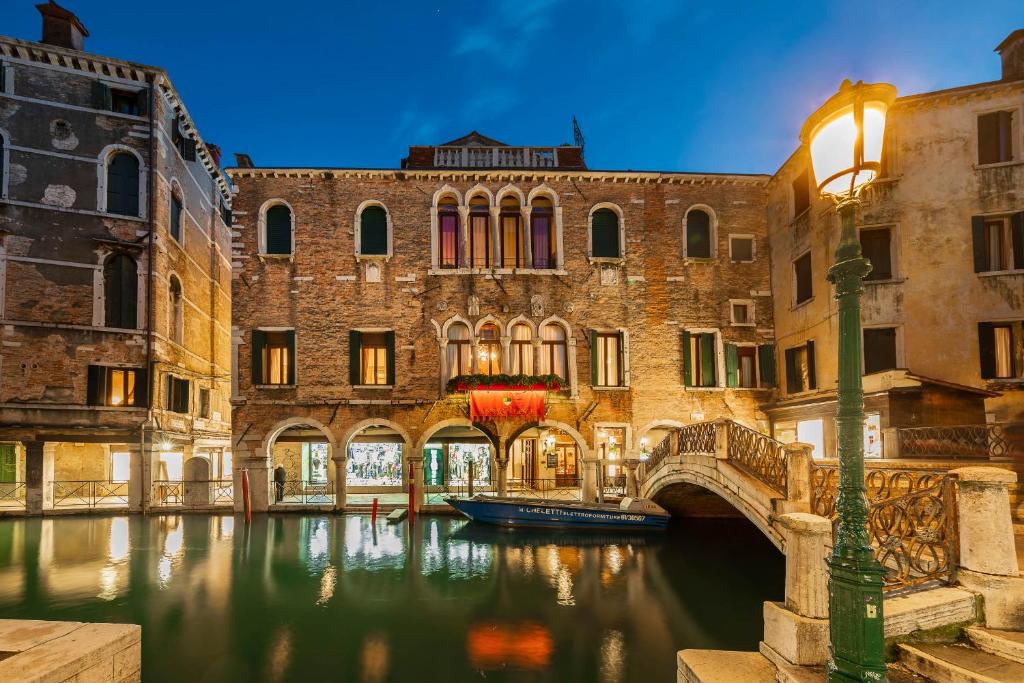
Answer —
845 141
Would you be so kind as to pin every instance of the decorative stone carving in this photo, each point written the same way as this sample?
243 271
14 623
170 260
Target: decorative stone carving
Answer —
373 272
569 307
474 305
609 276
537 305
442 305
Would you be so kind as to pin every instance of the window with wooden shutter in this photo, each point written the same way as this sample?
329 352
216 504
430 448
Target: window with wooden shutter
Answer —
1017 239
803 282
732 366
278 230
801 193
698 234
741 248
766 364
998 242
604 234
176 211
177 394
355 356
259 341
995 137
273 357
701 364
876 245
123 184
997 350
800 374
125 102
373 362
116 387
373 231
687 360
879 349
120 291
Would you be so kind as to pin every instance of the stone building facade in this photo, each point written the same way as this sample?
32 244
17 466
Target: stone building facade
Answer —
943 308
114 281
478 258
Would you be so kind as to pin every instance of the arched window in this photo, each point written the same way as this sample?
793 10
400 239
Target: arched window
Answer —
698 234
604 234
542 233
489 350
513 247
4 163
176 317
373 231
120 291
522 349
458 350
176 213
123 184
450 236
553 351
479 232
278 238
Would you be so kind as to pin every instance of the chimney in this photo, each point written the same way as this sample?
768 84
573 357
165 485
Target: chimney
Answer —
1011 50
61 27
243 160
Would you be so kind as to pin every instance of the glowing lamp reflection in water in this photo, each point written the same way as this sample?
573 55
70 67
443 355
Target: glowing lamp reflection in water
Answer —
496 646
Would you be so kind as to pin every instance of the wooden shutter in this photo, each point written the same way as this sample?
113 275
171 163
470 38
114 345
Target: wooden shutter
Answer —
389 343
96 389
1017 234
687 361
289 337
793 381
129 287
987 350
123 185
766 364
593 357
188 150
978 236
707 360
101 96
141 387
354 357
259 342
373 231
812 379
279 230
622 360
142 100
604 237
732 366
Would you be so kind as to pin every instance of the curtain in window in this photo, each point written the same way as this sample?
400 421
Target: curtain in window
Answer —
553 351
480 239
1003 338
541 239
449 242
522 350
511 240
458 350
489 350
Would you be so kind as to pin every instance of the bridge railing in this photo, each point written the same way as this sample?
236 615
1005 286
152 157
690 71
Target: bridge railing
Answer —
983 442
758 454
912 520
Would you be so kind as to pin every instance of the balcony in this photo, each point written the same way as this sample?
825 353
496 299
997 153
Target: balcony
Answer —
495 157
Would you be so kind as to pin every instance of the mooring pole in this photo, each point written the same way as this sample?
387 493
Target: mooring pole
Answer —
412 492
373 514
247 503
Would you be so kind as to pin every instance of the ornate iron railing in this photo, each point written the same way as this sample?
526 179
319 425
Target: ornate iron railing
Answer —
698 438
12 494
963 441
304 492
168 492
758 454
911 520
655 458
90 493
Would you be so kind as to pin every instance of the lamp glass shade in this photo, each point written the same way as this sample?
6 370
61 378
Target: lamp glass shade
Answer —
842 166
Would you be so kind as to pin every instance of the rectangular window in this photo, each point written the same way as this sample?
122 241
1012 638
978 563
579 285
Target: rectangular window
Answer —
741 248
998 242
185 145
741 366
480 240
374 352
802 279
876 244
995 137
742 313
125 102
175 218
273 357
998 349
117 387
801 193
177 394
608 359
204 403
800 374
879 349
700 359
543 239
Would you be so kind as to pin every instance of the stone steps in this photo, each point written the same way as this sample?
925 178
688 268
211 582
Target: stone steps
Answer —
959 664
1005 644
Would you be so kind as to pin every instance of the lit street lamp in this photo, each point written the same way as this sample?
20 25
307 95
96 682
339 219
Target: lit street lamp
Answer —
845 141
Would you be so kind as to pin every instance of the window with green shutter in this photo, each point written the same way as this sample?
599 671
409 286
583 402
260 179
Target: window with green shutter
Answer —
373 231
766 364
278 237
687 360
123 184
604 234
732 366
8 458
700 359
376 357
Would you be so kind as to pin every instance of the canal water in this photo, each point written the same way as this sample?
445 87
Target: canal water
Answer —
323 598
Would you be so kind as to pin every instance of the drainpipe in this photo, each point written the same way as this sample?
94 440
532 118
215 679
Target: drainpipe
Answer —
151 222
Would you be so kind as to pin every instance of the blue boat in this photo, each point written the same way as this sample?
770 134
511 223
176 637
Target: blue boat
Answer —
638 514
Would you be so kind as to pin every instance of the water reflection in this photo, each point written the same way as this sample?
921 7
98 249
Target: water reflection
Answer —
294 597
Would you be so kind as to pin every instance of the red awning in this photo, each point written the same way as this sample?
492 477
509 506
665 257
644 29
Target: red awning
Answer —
506 405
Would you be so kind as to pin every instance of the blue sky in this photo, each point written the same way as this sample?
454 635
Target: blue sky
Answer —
656 85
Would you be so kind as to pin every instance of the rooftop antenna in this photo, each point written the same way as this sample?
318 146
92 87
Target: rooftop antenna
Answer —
577 136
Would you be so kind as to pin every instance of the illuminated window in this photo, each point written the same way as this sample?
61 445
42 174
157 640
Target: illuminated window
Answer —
553 351
116 387
488 360
542 234
522 350
374 359
606 358
450 237
998 243
458 350
273 357
479 233
513 249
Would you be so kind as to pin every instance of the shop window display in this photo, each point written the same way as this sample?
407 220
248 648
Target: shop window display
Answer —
459 457
374 464
433 465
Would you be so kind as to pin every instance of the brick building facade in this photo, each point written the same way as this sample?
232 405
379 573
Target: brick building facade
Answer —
483 258
114 281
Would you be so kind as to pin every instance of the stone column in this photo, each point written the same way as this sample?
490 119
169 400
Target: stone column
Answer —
721 439
35 482
570 362
632 485
526 212
797 629
988 558
589 484
417 478
506 358
139 476
340 485
260 490
798 478
502 462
